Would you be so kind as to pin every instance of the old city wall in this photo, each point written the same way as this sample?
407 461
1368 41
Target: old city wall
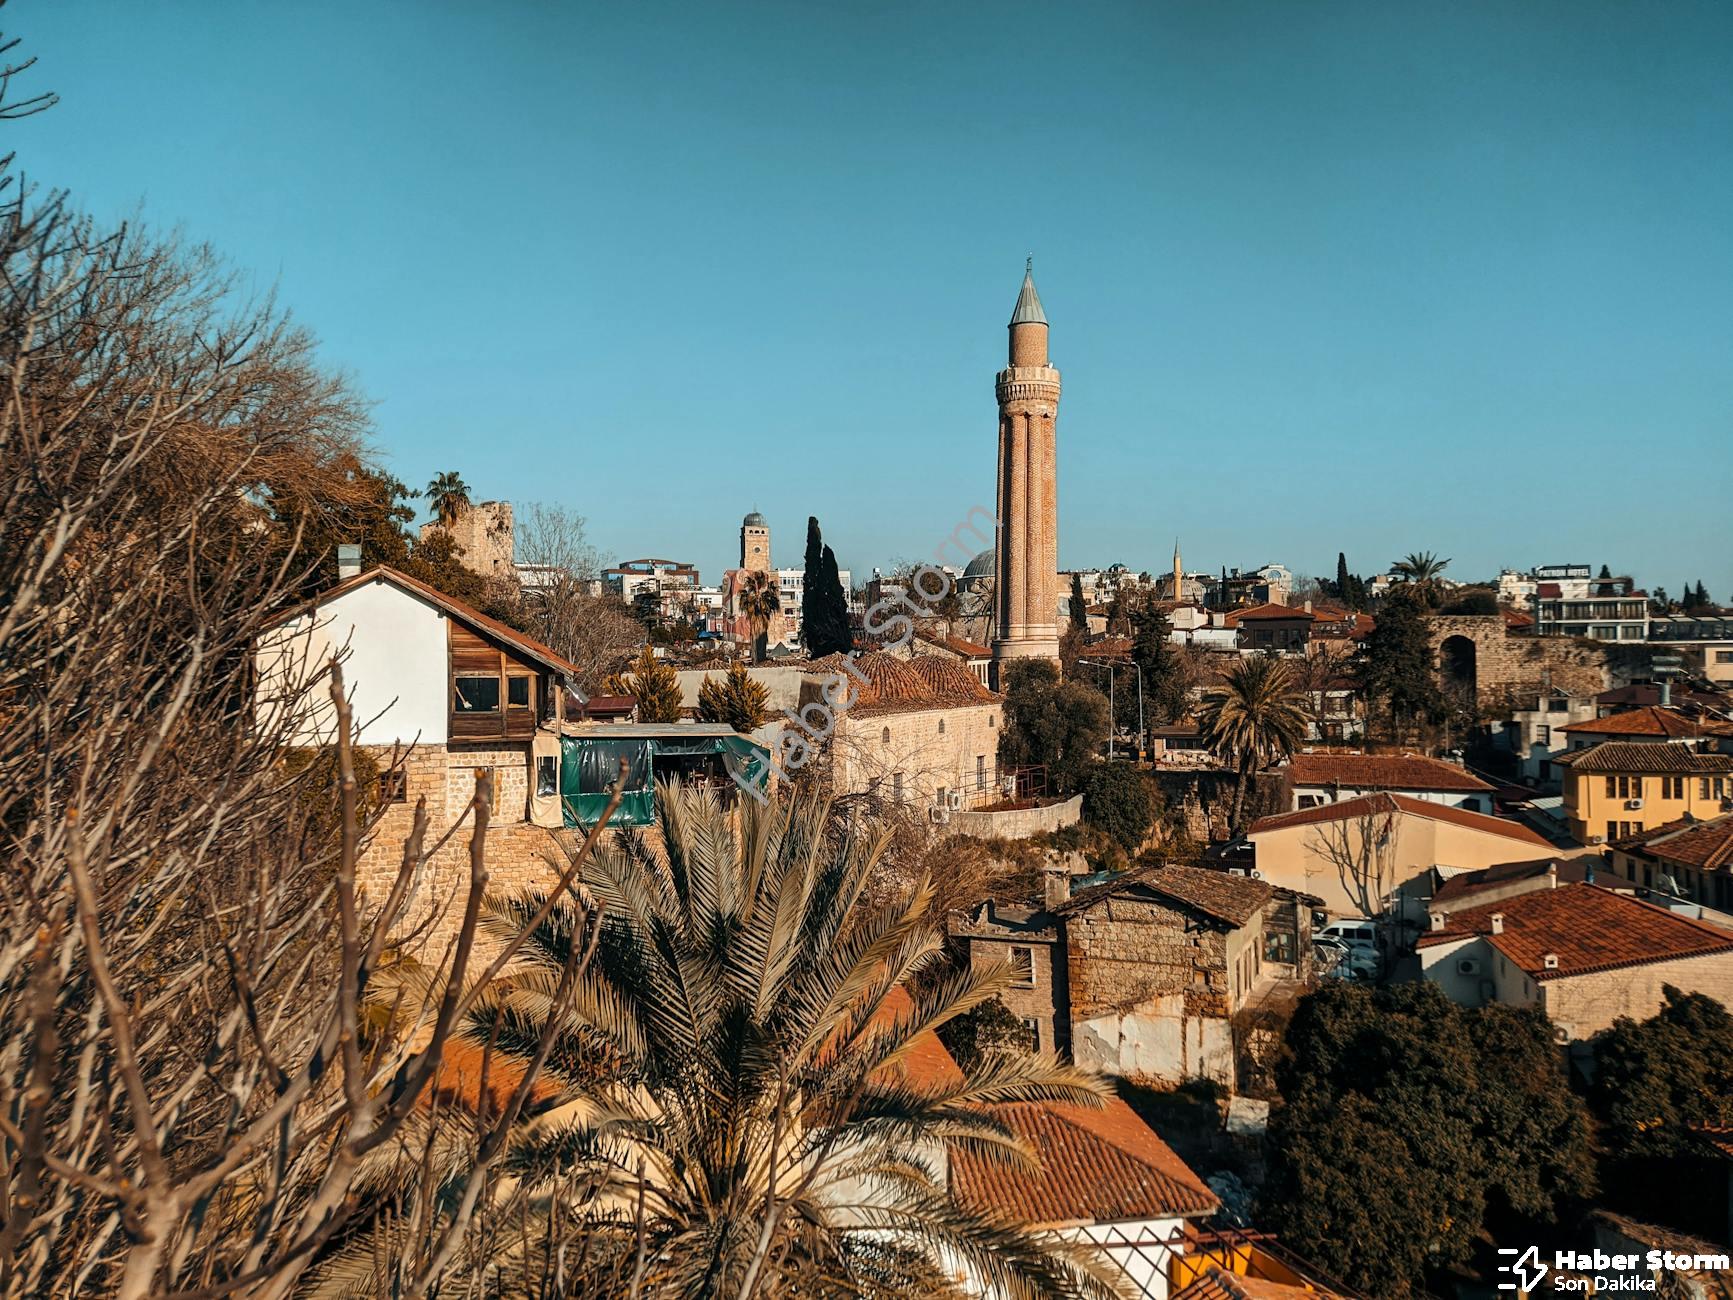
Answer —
1506 665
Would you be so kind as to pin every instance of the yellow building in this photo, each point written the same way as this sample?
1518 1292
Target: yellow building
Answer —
1355 854
1618 789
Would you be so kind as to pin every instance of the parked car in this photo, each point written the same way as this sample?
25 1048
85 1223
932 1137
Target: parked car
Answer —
1344 960
1355 932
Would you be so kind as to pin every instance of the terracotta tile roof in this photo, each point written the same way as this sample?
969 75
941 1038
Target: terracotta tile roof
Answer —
1233 899
896 685
1460 889
1704 845
926 1065
527 645
1585 928
1382 772
1381 803
1097 1166
1217 1283
1515 618
1265 613
1651 720
969 649
1641 693
1642 756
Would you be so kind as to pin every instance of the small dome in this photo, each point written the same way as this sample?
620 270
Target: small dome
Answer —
981 566
753 520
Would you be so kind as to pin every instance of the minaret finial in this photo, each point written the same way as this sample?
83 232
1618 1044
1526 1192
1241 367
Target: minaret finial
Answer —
1029 265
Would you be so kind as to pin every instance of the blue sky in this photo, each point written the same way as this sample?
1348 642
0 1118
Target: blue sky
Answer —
1328 276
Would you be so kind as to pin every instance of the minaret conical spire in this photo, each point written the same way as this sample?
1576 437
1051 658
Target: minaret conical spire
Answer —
1028 310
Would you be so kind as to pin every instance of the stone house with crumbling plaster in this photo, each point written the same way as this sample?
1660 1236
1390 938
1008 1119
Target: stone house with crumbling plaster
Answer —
1142 975
1157 963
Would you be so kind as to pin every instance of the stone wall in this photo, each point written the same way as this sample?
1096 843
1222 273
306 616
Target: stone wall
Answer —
1505 665
954 748
1200 801
1018 823
1583 1005
519 855
484 531
1151 992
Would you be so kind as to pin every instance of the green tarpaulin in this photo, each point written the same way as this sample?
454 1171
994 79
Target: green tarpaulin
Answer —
590 764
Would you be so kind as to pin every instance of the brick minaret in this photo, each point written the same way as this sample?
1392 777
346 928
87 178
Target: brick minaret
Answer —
1026 551
755 543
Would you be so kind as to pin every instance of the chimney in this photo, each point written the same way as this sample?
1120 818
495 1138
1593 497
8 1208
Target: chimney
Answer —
1308 607
1667 691
1549 961
1055 885
1435 921
1498 922
348 560
1552 875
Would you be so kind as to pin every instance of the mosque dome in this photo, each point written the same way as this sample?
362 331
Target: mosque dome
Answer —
981 566
753 520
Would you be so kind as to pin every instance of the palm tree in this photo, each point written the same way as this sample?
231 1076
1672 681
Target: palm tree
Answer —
735 1114
1252 720
760 603
449 496
1422 569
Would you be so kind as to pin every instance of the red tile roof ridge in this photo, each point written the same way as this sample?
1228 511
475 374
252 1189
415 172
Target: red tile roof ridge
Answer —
449 603
1391 771
1384 802
1586 928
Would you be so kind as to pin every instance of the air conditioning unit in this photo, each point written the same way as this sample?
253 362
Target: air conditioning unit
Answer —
1561 1035
1597 839
1633 805
1255 874
1468 966
939 816
954 801
1238 871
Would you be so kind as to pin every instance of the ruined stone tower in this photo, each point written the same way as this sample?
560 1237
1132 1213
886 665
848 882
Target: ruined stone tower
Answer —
1025 624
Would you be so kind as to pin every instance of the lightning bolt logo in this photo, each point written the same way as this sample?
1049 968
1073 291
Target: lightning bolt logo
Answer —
1527 1268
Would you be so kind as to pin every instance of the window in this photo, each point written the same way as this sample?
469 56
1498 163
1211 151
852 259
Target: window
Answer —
897 786
517 692
885 736
394 786
1724 656
1612 831
1034 1028
1543 735
1559 706
1672 787
1022 968
1309 801
1703 787
1624 786
477 694
941 726
981 772
1636 787
992 721
1279 947
547 775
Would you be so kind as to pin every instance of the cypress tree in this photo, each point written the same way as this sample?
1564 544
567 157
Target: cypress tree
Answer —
1079 611
1395 665
811 602
1343 592
833 635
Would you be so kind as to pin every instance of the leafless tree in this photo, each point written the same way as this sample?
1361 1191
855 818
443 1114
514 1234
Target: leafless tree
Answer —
199 1070
1361 849
596 632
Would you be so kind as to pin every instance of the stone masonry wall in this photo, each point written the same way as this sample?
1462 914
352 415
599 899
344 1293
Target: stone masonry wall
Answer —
518 853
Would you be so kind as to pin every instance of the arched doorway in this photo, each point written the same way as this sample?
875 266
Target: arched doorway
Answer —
1456 670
